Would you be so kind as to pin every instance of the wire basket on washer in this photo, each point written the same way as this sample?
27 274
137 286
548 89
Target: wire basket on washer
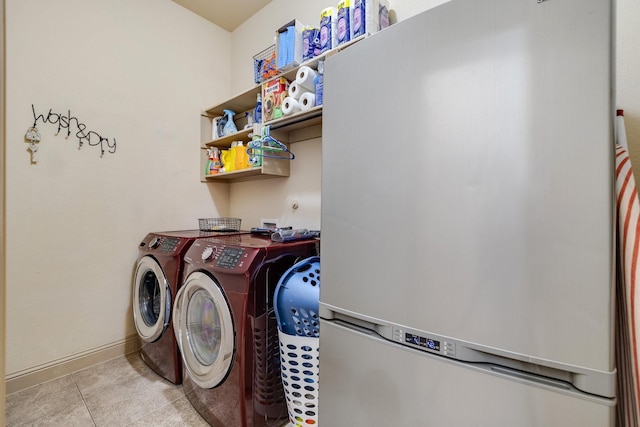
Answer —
219 224
264 64
296 301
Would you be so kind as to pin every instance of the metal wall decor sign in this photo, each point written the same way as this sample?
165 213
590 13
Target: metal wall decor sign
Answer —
68 122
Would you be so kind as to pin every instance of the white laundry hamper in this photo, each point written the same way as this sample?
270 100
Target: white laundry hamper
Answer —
296 301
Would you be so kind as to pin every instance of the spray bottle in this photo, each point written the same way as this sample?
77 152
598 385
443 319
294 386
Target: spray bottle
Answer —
257 112
319 82
213 165
229 126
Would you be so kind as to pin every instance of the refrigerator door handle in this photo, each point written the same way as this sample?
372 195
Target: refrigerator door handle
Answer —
356 321
527 377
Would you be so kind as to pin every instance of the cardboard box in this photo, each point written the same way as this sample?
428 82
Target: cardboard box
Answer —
273 93
289 45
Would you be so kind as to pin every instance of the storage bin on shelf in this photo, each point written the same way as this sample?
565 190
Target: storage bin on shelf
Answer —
289 45
219 224
296 302
264 64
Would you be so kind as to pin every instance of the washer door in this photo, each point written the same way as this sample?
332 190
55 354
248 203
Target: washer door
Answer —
204 330
151 300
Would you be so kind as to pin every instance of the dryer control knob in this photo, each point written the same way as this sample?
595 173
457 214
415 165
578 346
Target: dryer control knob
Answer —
208 253
154 243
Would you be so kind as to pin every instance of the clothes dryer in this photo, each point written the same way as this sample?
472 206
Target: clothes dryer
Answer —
158 276
226 328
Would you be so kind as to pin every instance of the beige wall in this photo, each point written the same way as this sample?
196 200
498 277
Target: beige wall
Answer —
137 71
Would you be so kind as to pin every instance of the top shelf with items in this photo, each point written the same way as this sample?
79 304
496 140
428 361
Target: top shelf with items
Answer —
246 102
313 63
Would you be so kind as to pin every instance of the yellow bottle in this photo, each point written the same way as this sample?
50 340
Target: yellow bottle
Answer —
228 158
242 158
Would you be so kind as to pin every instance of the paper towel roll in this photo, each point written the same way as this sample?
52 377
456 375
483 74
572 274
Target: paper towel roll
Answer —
290 106
296 91
307 101
305 77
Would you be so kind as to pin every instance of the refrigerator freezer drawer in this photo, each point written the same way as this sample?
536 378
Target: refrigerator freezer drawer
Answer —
389 385
580 379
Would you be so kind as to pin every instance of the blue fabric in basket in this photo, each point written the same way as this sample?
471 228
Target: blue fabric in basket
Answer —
286 45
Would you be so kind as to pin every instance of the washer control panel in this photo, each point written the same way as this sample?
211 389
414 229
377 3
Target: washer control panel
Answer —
230 257
163 244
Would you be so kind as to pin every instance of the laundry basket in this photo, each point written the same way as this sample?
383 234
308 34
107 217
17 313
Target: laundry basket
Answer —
299 369
296 302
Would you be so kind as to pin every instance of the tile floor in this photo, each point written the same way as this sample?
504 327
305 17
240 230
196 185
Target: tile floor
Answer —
119 392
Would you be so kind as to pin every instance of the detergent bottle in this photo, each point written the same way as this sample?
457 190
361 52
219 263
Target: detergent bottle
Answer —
242 158
228 158
229 125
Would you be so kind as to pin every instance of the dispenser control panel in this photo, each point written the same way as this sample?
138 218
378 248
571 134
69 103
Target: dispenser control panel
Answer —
423 341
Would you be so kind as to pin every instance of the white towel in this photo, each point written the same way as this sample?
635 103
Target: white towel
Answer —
628 291
621 134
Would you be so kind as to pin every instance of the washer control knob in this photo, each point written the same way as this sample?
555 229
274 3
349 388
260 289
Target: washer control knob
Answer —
208 253
154 243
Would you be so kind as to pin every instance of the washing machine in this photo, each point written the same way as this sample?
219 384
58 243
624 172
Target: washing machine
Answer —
158 276
226 328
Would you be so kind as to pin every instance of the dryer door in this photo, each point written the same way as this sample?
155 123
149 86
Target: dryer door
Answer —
204 330
151 300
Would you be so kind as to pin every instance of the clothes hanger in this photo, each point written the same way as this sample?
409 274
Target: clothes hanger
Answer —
268 146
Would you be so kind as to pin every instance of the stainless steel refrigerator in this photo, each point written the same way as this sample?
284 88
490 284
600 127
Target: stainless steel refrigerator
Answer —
468 220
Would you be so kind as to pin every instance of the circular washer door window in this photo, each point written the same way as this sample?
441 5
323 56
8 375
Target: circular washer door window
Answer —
151 300
204 330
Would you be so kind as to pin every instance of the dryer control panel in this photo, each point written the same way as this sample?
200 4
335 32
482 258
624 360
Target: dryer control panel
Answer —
169 244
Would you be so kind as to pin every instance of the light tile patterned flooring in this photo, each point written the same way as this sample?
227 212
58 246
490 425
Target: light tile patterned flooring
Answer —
120 392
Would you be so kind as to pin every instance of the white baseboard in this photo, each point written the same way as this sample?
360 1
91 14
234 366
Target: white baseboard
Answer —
70 364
